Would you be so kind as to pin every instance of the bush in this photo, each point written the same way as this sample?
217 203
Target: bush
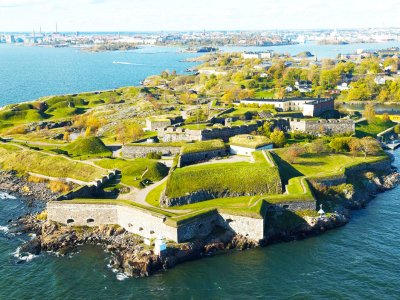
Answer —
59 187
154 155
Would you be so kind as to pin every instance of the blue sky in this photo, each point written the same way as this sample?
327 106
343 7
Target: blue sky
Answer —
155 15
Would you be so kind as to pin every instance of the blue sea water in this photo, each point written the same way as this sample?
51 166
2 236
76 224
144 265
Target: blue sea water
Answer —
358 261
27 73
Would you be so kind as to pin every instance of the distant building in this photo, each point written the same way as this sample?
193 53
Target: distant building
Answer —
343 87
258 55
310 107
303 86
323 127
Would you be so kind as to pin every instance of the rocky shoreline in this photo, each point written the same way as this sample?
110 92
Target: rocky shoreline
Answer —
131 256
19 186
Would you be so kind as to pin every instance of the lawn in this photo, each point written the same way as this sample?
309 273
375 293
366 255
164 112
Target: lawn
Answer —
87 147
232 179
265 94
321 164
55 166
372 129
203 146
135 171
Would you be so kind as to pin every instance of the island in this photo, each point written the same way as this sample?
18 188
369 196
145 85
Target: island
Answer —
197 164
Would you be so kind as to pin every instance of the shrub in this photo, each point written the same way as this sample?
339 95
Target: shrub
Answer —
42 216
293 152
35 179
59 187
154 155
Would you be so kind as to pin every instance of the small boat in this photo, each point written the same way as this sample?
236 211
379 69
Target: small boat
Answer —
122 63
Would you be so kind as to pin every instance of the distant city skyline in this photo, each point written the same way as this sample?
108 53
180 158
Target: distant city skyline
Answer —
181 15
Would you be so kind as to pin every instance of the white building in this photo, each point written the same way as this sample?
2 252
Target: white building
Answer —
343 87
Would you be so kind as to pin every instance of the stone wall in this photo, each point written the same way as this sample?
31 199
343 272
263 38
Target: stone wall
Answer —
141 151
322 126
82 214
174 134
191 158
249 227
294 205
88 191
198 227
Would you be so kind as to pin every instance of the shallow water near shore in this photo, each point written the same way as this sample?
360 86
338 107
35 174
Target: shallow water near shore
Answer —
358 261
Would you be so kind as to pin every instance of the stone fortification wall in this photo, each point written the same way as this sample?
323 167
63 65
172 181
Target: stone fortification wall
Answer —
322 126
294 205
191 158
88 191
172 134
198 227
151 225
82 214
142 151
249 227
145 224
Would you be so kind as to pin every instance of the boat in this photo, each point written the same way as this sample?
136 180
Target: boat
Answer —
122 63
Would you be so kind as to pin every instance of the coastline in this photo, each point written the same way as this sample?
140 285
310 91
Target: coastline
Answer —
129 254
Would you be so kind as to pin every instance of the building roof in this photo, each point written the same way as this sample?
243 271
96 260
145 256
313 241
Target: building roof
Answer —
249 141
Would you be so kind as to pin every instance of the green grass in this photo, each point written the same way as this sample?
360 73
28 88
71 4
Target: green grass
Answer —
249 141
323 164
87 147
135 171
153 198
265 94
203 146
235 179
365 129
24 161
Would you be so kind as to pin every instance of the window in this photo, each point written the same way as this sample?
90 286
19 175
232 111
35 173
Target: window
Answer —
70 221
90 221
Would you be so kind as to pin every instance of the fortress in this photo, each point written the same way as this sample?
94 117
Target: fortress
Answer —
322 126
174 134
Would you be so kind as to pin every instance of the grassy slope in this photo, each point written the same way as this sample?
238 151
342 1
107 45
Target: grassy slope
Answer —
364 129
32 161
235 178
203 146
321 164
89 146
133 170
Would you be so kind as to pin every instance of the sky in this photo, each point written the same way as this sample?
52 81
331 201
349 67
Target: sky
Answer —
187 15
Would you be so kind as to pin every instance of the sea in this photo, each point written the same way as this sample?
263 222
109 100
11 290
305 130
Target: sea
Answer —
358 261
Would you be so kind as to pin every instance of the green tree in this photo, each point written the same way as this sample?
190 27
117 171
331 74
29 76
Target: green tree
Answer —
369 112
278 138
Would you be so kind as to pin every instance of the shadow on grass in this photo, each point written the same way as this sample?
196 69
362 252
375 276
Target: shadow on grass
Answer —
286 171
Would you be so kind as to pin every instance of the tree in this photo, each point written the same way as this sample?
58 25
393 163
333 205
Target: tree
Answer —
369 112
66 136
265 129
278 138
397 129
340 144
129 132
369 146
318 146
293 152
88 131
